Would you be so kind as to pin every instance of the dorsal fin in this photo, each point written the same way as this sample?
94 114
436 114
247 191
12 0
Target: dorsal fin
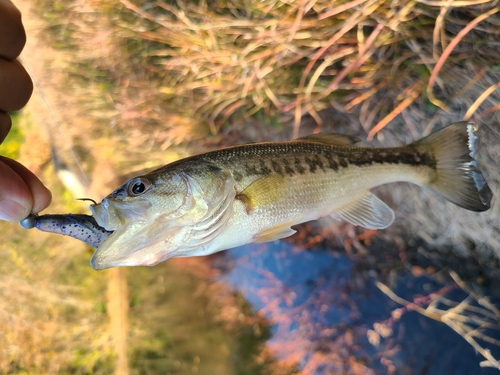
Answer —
331 139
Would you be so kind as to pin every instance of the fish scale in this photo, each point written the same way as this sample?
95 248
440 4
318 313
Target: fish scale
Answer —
310 158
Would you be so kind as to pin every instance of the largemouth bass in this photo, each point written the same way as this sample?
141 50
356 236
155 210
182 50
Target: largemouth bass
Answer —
257 192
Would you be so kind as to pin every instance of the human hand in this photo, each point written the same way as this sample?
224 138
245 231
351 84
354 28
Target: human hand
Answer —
21 192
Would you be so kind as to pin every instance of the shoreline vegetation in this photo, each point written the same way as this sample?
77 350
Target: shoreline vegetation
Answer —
134 84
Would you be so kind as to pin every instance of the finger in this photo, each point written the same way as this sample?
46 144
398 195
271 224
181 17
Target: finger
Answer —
5 125
15 86
40 196
12 31
16 200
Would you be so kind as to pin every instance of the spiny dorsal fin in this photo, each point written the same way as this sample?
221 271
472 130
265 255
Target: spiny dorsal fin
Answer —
369 212
331 139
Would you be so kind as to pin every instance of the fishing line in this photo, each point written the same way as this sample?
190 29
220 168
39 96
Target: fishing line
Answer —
39 89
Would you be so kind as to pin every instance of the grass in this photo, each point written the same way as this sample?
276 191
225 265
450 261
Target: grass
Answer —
204 62
49 321
11 146
473 318
189 332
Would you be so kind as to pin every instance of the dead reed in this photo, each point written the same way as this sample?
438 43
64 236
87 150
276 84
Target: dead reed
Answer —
472 318
210 61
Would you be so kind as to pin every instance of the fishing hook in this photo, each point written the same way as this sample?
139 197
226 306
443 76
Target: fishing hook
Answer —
87 199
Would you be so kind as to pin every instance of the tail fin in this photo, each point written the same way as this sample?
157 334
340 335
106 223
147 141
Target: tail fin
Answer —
457 177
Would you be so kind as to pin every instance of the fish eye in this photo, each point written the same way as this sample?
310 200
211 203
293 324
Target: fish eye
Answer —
138 186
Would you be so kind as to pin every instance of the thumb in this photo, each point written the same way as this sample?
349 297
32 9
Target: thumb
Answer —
21 192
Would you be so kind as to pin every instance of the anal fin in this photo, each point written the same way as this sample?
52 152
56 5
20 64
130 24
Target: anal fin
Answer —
275 233
368 212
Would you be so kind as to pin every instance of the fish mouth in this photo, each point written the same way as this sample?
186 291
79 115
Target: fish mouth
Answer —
139 243
102 260
106 215
131 232
113 215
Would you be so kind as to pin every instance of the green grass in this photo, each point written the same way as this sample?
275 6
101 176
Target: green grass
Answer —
11 146
175 327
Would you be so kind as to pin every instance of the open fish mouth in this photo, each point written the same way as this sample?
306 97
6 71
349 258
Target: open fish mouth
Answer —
78 226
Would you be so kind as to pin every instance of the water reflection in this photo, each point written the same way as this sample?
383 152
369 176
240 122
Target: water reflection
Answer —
329 317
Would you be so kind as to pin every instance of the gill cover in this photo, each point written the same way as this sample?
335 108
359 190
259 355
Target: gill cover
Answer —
155 236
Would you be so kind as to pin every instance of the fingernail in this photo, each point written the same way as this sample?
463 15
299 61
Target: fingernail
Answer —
12 211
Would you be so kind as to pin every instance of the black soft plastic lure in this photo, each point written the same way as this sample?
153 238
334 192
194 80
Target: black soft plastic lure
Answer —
81 227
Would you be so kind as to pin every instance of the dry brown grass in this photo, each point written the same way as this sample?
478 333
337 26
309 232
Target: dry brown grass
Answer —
50 320
472 318
206 62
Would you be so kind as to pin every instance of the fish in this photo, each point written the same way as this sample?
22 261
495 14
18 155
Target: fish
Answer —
257 192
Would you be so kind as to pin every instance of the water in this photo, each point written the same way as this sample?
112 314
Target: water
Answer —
323 307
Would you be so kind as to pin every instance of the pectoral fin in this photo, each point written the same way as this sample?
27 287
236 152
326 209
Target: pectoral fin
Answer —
369 212
263 191
275 233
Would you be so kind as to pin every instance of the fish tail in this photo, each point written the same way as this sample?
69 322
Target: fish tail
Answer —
456 175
